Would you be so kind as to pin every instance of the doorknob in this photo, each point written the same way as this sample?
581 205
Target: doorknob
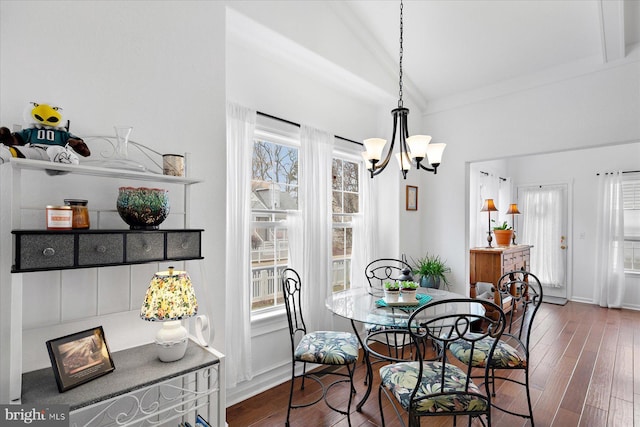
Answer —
562 245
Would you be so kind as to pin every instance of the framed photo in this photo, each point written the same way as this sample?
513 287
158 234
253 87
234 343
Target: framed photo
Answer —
79 358
412 198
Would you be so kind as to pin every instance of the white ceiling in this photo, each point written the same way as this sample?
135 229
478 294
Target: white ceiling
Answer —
452 47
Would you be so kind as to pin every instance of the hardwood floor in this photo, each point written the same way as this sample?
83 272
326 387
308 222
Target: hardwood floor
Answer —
582 373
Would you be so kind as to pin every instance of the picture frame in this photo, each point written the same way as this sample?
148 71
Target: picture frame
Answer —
412 198
79 358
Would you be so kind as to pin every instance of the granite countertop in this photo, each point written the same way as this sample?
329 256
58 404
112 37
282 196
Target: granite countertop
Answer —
135 368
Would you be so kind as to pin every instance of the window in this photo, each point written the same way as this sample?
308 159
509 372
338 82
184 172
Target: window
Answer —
274 192
346 200
631 203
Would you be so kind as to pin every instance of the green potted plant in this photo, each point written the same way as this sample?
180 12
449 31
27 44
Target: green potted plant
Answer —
391 291
409 290
432 271
503 233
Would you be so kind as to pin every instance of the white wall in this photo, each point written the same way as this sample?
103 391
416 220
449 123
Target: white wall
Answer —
579 168
592 109
156 66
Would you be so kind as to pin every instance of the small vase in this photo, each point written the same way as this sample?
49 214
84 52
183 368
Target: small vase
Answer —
430 282
391 296
409 294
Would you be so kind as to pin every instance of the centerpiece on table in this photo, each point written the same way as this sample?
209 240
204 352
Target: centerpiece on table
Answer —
409 290
391 291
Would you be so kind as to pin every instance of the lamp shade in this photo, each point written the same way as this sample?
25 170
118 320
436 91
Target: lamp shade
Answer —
488 206
170 296
513 209
404 162
434 153
418 145
374 147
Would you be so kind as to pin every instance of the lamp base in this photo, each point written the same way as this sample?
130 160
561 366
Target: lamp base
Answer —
171 341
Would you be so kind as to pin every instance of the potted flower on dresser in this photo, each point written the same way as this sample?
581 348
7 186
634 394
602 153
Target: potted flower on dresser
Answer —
503 233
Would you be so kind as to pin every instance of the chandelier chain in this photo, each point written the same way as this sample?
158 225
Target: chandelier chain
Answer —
401 40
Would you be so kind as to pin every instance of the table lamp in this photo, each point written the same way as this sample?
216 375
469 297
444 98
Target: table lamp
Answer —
513 210
170 298
489 207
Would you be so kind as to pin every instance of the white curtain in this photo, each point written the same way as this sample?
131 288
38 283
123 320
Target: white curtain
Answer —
364 241
316 156
542 226
240 130
609 268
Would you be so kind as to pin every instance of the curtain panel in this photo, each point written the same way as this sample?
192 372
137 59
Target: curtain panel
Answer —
241 124
609 267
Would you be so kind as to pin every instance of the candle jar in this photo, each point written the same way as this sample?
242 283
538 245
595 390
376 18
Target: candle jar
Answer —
80 217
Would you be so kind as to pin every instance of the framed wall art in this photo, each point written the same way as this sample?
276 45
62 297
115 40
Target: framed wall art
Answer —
412 198
79 358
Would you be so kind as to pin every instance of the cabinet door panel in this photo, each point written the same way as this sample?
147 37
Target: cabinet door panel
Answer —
145 247
45 251
182 245
100 249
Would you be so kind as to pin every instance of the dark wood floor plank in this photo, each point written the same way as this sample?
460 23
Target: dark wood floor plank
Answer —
585 371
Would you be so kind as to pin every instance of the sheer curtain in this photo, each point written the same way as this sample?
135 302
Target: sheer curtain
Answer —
316 156
609 269
542 227
241 124
364 241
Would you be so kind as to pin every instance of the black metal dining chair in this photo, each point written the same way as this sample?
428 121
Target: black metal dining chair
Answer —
512 350
437 386
328 348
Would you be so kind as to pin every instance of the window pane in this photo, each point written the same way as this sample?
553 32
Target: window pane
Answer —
337 202
350 176
336 172
269 256
351 202
274 176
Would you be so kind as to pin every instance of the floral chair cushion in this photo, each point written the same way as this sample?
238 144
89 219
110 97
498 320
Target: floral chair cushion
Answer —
328 348
401 378
504 356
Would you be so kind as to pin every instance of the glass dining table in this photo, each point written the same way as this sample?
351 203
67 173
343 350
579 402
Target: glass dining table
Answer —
366 306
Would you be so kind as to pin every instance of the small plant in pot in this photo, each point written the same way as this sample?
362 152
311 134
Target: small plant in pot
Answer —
391 291
409 289
432 271
503 233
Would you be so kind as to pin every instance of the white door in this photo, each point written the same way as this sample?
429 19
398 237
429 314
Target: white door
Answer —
543 224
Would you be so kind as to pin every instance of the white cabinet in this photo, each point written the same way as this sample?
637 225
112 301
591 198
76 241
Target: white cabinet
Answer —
70 299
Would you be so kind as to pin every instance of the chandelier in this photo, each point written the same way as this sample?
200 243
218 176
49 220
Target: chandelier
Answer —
417 147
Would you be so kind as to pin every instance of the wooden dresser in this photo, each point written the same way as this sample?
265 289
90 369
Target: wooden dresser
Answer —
488 264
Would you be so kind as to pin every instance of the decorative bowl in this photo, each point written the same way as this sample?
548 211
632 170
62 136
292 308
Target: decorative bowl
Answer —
143 208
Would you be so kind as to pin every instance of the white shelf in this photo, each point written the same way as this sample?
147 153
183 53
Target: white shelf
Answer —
98 171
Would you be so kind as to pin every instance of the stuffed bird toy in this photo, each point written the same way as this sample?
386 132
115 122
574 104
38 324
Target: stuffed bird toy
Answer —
45 139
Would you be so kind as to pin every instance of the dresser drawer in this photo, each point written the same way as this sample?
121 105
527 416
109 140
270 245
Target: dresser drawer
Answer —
42 251
142 247
100 249
183 245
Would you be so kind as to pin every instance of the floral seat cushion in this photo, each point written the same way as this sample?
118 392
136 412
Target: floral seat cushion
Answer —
504 356
328 348
401 378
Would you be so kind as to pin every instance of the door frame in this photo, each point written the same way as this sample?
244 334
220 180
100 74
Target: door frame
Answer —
569 231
